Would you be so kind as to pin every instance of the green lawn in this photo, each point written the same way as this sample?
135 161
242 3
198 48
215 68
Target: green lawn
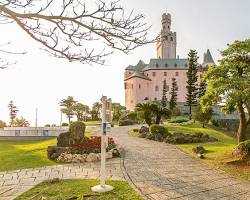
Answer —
79 189
24 154
92 123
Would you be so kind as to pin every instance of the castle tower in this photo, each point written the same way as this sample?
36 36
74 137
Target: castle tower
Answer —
166 41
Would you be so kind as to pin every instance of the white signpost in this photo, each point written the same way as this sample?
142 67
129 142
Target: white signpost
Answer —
106 120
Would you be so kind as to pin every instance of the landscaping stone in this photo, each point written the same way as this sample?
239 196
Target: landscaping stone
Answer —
199 150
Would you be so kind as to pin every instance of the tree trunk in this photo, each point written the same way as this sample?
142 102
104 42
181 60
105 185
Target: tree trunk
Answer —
158 119
190 112
243 123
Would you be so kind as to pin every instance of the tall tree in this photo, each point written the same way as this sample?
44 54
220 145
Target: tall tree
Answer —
13 112
96 110
68 28
117 110
191 96
164 94
2 124
80 110
21 122
202 89
229 83
68 107
173 93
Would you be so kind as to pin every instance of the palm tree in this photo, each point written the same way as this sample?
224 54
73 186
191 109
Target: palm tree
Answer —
145 109
159 111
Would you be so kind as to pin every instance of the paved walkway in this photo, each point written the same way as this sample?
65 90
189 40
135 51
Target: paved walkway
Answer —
157 170
161 171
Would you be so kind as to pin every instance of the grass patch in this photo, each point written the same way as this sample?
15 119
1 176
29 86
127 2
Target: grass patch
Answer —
178 120
24 154
133 133
76 189
92 123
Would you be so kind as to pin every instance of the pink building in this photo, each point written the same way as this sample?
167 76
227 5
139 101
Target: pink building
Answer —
144 82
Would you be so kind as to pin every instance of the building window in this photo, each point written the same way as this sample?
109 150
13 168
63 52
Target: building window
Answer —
146 98
147 74
139 86
165 37
156 88
155 98
171 38
154 74
186 65
175 65
168 27
165 73
132 86
157 65
166 65
176 73
132 101
125 86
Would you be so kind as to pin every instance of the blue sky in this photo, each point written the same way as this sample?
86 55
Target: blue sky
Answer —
41 81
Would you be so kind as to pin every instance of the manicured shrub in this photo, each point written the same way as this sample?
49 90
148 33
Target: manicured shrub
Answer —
126 122
215 122
242 150
158 133
178 120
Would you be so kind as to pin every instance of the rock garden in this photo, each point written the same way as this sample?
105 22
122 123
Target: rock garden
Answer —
161 134
74 147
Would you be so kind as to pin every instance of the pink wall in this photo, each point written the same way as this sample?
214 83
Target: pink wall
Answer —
135 95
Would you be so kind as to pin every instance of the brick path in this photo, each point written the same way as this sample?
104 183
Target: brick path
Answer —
157 170
14 183
161 171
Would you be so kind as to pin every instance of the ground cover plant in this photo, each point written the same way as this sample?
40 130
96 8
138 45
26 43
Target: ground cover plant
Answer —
79 189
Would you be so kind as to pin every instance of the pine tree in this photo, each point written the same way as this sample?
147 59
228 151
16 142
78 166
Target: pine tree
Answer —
13 112
164 93
173 93
191 96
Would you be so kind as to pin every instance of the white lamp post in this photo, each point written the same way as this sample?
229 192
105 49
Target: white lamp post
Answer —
106 109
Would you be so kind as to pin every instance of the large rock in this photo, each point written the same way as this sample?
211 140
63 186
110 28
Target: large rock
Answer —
53 151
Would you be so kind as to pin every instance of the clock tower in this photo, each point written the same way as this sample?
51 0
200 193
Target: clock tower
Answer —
166 40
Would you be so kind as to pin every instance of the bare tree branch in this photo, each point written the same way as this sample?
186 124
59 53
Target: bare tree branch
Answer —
67 29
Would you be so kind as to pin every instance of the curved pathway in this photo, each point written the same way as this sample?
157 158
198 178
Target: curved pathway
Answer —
161 171
157 170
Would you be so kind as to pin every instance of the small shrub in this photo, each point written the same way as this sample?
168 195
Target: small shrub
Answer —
158 133
126 122
178 120
215 122
242 150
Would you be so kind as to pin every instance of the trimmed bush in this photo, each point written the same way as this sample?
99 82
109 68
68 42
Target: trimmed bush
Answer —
126 122
242 150
158 133
178 120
